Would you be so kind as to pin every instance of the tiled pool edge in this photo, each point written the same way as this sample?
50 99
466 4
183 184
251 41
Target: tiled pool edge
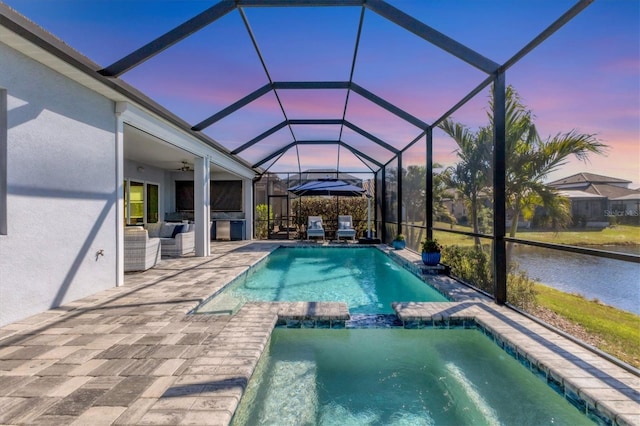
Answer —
458 292
609 397
527 348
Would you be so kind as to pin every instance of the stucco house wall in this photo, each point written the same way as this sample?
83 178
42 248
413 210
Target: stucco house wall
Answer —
61 190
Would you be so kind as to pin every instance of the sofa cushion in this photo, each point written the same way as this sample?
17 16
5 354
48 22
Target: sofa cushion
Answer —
167 230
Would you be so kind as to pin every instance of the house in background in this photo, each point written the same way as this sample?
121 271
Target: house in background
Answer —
595 199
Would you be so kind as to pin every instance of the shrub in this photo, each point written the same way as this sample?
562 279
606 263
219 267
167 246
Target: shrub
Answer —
521 290
262 224
472 265
431 246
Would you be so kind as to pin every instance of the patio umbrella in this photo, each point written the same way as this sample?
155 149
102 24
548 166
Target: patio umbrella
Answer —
331 187
327 187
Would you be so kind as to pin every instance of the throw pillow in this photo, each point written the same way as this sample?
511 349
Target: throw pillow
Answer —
177 230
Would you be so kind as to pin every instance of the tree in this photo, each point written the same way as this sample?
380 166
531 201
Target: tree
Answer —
441 182
530 160
414 192
470 176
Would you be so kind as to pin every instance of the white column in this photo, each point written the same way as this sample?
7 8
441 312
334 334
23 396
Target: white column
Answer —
119 184
247 188
202 215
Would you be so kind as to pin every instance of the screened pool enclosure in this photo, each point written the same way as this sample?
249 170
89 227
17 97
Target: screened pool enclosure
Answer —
394 97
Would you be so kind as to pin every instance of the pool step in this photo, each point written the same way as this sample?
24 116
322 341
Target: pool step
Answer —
292 397
222 304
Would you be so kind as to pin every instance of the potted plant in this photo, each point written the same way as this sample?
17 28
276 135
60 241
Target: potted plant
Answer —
399 242
431 252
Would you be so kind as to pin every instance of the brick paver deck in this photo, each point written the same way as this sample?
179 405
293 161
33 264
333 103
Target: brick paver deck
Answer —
133 354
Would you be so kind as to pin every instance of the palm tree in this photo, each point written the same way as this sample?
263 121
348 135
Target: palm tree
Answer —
414 192
530 160
441 183
471 175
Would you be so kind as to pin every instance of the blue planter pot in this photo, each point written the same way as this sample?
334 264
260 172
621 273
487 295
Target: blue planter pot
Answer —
430 259
398 245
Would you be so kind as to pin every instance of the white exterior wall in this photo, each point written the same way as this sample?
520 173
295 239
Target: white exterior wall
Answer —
62 190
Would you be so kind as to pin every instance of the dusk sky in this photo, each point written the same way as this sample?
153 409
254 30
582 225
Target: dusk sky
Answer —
585 77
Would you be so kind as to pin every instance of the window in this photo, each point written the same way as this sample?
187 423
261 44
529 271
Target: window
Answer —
141 202
225 195
152 202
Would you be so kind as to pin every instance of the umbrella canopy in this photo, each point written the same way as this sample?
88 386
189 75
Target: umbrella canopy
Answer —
327 187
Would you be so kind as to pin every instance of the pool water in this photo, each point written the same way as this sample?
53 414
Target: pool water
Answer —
396 377
365 278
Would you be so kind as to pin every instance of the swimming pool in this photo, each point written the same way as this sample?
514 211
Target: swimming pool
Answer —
365 278
396 377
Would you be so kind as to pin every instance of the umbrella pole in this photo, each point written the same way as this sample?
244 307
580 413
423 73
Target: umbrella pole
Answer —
368 217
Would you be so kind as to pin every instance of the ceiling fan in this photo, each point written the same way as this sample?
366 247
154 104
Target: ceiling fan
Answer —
186 167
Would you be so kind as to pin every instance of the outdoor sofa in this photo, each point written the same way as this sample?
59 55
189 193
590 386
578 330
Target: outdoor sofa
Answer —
140 251
177 239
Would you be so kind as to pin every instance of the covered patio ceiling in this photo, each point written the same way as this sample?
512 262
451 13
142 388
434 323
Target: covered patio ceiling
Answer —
349 85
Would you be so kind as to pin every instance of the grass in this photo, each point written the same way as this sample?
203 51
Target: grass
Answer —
627 235
616 235
618 330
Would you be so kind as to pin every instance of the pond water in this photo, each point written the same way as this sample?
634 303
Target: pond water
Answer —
610 281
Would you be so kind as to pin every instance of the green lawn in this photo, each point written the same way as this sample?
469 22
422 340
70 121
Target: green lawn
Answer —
619 330
617 235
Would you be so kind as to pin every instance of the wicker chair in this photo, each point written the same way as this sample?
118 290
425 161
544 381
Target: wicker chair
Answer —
175 241
140 251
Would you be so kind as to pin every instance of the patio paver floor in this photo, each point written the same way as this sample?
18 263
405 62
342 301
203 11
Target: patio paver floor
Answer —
133 355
